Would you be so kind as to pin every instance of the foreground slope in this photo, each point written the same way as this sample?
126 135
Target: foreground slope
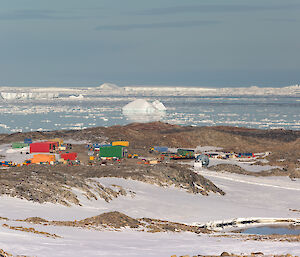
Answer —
70 204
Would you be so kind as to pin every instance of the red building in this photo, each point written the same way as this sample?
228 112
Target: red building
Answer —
69 156
43 147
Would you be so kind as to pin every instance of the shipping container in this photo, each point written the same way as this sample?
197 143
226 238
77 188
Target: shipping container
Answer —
43 147
247 155
27 140
112 151
186 152
161 149
120 143
69 156
62 148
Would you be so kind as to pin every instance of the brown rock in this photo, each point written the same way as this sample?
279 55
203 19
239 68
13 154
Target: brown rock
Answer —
225 254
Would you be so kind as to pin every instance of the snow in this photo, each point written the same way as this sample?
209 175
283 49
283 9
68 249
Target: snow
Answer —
246 197
76 142
80 242
14 155
207 148
248 165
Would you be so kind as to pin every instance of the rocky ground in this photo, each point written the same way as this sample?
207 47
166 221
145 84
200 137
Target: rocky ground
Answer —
45 183
116 221
54 183
283 144
239 170
4 254
225 254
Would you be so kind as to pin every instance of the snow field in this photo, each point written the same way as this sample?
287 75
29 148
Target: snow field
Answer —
82 242
246 197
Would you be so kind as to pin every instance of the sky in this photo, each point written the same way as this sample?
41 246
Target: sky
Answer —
207 43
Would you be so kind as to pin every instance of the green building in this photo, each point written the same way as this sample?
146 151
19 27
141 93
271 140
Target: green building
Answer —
186 152
15 145
117 151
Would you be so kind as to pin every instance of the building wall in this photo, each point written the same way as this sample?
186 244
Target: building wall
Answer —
112 151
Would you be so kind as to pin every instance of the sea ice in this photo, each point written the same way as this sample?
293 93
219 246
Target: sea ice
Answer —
28 95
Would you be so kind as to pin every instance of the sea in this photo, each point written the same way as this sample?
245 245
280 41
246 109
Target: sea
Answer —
90 107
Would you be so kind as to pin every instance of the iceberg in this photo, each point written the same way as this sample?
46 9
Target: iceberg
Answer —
109 87
141 110
139 106
159 105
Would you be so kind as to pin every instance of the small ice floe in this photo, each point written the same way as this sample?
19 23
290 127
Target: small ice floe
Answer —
76 97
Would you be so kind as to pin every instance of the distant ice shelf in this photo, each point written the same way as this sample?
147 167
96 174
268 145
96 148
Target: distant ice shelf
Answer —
107 89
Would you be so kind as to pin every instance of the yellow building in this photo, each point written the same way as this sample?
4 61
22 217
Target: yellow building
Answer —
60 141
121 143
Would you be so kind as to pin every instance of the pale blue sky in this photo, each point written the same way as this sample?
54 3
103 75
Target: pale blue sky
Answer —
165 42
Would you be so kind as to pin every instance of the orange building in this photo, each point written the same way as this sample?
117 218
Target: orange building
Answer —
38 158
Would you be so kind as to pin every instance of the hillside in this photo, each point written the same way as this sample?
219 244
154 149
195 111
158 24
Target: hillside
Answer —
283 144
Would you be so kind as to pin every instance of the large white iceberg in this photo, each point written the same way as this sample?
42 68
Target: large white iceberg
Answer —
141 110
159 105
143 106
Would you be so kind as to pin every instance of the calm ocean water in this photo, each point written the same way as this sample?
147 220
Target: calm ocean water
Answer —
266 112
